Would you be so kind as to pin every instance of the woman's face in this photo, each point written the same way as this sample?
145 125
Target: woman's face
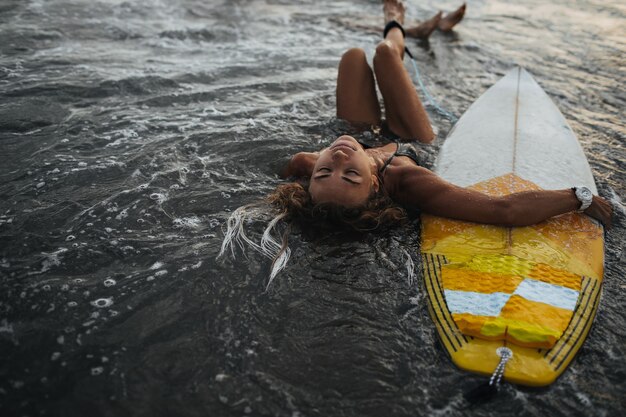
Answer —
343 174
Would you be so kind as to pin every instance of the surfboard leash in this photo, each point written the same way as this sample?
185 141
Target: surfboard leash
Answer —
487 391
429 97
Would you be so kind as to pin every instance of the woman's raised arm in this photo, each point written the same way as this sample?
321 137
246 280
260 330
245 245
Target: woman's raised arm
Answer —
421 188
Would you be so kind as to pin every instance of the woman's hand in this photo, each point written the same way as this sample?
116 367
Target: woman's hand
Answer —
601 210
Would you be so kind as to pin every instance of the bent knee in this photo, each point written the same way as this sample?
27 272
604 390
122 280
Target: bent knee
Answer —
386 50
353 55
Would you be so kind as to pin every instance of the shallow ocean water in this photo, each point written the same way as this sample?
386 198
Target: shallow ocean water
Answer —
130 130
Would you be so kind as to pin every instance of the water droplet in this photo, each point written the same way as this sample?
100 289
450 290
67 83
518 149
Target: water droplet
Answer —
97 370
109 282
102 302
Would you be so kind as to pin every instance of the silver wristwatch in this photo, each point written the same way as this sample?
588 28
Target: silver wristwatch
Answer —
584 195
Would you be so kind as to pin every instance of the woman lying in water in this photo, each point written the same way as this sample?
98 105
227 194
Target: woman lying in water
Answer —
367 189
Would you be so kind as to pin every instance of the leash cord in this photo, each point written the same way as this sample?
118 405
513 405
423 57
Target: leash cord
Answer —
429 97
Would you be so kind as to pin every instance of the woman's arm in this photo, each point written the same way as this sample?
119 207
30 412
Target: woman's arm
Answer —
418 187
300 165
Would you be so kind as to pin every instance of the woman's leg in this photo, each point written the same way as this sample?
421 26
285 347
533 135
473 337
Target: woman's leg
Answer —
356 90
404 111
405 114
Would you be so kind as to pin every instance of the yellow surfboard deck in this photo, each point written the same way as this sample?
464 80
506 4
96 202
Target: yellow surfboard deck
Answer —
532 289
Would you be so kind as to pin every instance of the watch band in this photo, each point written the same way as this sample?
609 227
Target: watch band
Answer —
584 195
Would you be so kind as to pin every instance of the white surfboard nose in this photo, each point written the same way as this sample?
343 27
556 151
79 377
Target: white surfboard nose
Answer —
514 127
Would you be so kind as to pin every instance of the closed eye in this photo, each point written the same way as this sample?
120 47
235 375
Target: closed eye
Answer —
326 172
322 173
349 180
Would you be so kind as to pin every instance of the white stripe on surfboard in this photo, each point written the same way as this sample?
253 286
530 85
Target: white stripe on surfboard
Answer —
491 304
476 303
543 292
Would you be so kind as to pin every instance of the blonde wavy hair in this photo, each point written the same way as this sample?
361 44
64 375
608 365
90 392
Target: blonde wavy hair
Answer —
295 200
292 203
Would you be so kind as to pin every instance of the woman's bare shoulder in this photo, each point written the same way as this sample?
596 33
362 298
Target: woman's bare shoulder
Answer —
400 175
404 169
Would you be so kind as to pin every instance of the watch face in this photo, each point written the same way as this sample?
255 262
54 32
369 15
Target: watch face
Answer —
585 193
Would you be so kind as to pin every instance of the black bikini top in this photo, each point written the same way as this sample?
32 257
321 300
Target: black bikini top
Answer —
404 149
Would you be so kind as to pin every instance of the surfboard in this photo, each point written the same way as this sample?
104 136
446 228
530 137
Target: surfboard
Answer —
532 289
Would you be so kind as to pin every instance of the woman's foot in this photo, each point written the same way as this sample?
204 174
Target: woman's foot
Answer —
447 23
394 10
424 29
